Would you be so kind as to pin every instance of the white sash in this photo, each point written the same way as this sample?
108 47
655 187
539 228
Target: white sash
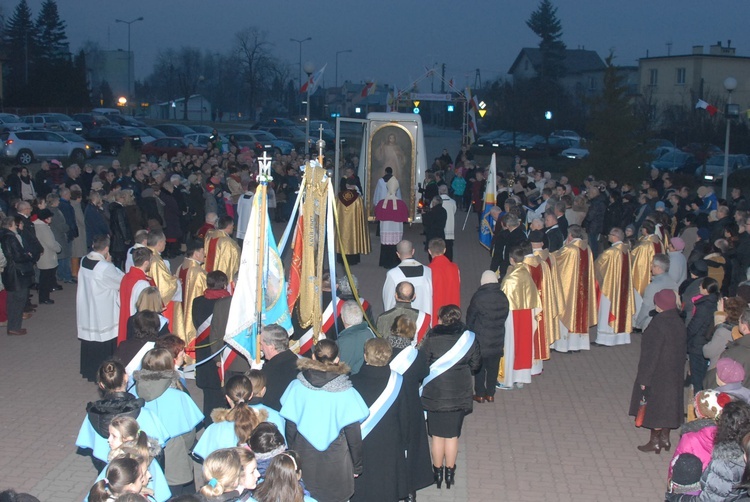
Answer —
382 404
135 363
403 361
450 358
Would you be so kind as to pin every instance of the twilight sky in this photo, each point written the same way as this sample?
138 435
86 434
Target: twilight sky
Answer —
393 40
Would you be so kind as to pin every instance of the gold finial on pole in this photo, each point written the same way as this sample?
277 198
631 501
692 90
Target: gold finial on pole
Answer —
321 144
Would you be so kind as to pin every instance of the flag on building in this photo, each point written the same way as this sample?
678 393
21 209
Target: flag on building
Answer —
369 89
471 117
711 109
487 227
313 82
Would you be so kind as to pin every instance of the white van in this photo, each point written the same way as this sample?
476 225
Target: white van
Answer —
106 111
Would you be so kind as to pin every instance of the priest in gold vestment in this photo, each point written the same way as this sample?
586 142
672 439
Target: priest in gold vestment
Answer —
575 264
192 278
649 244
548 329
222 251
616 301
166 283
521 323
355 236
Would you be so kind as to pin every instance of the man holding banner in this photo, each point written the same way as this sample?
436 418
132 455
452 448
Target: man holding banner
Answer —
487 226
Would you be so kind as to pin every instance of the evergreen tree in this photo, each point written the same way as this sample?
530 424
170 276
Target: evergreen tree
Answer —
547 26
616 149
51 37
20 44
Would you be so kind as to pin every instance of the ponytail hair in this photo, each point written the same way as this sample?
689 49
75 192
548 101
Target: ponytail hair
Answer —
281 481
222 469
110 376
121 472
239 390
133 438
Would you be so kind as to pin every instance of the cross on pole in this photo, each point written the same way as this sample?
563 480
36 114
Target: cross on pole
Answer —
264 164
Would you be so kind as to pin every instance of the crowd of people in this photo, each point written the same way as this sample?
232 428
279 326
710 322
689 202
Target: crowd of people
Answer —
373 407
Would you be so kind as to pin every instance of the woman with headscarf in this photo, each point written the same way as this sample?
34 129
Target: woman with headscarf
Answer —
391 212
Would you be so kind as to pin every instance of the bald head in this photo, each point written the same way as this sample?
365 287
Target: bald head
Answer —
405 250
405 292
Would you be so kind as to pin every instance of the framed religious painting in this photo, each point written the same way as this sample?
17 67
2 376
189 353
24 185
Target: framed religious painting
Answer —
391 145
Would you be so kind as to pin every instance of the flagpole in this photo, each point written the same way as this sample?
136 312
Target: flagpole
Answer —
264 173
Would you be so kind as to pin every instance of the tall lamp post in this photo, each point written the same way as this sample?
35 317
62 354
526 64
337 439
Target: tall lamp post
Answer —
730 84
337 64
309 69
130 54
300 42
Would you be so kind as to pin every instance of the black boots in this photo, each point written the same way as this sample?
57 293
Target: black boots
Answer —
450 473
437 473
654 444
664 442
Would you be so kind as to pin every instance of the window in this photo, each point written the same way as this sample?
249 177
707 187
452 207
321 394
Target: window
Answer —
653 77
680 76
592 84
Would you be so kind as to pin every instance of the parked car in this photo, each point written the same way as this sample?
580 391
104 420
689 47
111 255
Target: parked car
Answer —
714 170
565 133
171 146
676 161
201 138
290 134
12 124
125 120
91 120
261 140
106 111
329 134
702 150
575 153
138 131
53 121
113 139
26 146
492 142
204 129
175 130
95 148
274 122
153 132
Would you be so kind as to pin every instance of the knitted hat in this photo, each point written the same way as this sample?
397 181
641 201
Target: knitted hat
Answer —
488 277
660 205
677 243
704 234
536 236
686 473
699 268
709 403
665 299
729 370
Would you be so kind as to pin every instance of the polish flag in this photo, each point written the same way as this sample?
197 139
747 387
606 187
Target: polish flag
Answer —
711 109
368 89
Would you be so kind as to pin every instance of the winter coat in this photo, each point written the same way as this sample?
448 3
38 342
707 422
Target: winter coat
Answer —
720 479
486 317
28 235
101 413
279 371
122 236
19 270
453 389
96 223
48 259
60 230
718 344
697 438
738 350
386 443
433 223
661 370
594 221
79 249
172 229
702 323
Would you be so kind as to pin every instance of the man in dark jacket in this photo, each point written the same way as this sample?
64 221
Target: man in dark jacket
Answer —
511 235
122 237
486 317
280 367
17 275
594 221
553 236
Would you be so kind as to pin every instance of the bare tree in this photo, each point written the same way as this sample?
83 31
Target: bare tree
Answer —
256 63
180 70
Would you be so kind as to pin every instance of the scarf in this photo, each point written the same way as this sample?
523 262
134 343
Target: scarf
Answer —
216 294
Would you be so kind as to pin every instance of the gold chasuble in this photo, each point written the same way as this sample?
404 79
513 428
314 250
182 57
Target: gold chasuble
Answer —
575 265
617 301
167 285
548 329
640 260
520 326
193 279
222 253
355 236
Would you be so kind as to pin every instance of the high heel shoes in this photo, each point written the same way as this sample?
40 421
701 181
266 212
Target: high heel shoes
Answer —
437 473
450 473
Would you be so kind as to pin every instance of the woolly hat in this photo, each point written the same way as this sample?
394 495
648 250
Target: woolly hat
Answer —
660 205
686 473
709 403
677 243
488 277
704 234
665 299
729 370
699 268
536 236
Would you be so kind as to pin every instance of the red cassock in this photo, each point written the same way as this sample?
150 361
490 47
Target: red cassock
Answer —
127 285
446 285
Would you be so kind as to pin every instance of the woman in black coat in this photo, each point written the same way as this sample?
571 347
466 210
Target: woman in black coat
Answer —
700 329
447 396
17 274
661 373
418 461
486 317
433 221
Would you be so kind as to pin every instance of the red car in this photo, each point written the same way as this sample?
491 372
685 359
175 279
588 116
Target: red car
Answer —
170 146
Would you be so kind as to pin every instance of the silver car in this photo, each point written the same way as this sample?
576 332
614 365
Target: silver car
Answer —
54 121
26 146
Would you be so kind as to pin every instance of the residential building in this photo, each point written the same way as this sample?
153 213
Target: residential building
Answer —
584 70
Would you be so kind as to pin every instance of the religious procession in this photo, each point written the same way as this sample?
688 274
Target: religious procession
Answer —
234 366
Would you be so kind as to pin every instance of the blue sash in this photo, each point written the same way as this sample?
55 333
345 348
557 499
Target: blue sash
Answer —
218 435
403 361
450 358
383 403
177 411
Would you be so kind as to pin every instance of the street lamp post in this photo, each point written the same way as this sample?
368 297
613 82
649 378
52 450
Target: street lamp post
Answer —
309 69
300 42
130 54
730 84
337 64
200 81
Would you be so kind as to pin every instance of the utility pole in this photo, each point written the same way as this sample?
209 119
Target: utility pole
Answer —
477 79
442 80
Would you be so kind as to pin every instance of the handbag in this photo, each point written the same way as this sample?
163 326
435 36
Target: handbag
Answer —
641 412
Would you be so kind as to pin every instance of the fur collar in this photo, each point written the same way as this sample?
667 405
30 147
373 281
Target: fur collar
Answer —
305 363
697 425
222 414
149 375
398 342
